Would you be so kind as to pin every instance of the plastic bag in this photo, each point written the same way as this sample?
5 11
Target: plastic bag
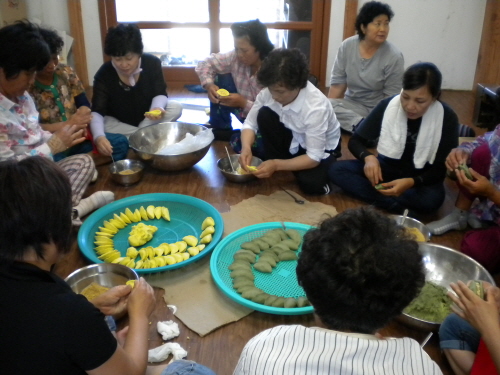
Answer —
189 144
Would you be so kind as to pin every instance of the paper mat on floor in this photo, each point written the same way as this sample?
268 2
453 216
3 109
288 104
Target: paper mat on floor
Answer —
200 304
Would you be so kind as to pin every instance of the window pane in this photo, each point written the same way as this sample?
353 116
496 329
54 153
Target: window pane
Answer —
280 39
162 10
177 46
265 10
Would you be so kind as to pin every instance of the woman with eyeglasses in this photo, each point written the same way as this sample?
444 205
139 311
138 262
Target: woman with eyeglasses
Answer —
127 88
367 68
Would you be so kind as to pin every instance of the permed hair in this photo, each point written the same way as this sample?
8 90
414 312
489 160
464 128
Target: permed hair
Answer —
22 48
287 67
423 74
53 40
35 208
123 39
368 12
359 270
256 32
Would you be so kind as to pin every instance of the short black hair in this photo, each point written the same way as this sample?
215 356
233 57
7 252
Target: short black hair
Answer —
53 40
35 208
359 270
368 12
123 39
287 67
257 35
423 74
22 48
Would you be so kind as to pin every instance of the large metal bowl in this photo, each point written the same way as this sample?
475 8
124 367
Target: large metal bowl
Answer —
443 266
410 222
225 168
104 274
150 140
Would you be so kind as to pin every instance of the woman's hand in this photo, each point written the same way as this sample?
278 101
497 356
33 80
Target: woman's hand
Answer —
456 157
142 299
114 301
481 186
266 169
153 117
372 170
82 116
233 100
103 146
245 158
212 92
71 135
482 315
397 187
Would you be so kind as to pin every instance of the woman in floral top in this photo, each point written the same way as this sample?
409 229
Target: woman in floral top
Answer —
60 98
478 202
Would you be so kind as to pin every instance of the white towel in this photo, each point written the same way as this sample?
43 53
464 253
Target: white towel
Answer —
394 128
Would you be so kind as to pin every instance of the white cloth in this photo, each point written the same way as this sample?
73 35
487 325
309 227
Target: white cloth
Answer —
168 329
394 131
300 350
310 117
161 353
131 77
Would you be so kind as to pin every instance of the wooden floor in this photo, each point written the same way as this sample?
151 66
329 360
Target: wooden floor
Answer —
220 350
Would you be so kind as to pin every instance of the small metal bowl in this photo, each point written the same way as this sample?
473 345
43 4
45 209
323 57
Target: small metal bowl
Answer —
225 168
147 142
117 169
104 274
443 266
413 223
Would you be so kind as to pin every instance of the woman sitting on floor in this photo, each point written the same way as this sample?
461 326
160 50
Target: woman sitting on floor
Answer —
127 88
416 132
20 133
60 98
299 130
478 201
235 71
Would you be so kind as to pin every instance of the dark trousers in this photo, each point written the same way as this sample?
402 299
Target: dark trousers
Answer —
276 140
350 176
118 141
220 115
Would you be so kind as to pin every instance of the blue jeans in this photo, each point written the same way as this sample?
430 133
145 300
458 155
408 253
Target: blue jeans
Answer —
456 333
220 115
183 367
350 176
118 141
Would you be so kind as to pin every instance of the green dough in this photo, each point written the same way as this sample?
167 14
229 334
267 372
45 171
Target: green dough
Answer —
267 259
278 302
282 233
244 256
251 246
238 282
260 298
467 173
273 235
280 247
244 288
270 241
290 302
302 302
249 294
240 265
271 254
288 255
432 304
291 244
263 266
262 244
270 299
294 235
243 273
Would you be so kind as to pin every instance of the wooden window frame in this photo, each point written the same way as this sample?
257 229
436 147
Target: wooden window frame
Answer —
178 76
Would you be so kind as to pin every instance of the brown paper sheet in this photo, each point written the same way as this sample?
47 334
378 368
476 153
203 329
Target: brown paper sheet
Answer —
200 304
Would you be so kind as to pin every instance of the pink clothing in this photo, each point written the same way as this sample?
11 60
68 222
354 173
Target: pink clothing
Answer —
222 63
20 133
483 245
480 161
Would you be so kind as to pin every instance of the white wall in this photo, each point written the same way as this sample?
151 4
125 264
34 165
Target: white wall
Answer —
92 35
445 32
52 13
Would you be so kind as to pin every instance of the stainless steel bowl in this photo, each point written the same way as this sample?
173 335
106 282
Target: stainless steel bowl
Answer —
150 140
413 223
225 167
105 274
135 166
443 266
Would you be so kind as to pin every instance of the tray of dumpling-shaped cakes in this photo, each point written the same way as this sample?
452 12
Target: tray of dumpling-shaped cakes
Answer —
151 232
255 266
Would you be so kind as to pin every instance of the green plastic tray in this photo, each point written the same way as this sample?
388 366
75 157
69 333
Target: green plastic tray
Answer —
282 281
186 215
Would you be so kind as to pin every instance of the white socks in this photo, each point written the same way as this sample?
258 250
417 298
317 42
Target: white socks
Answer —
95 201
457 220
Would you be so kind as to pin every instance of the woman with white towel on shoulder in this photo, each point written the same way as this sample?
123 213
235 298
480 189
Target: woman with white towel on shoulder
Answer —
415 133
